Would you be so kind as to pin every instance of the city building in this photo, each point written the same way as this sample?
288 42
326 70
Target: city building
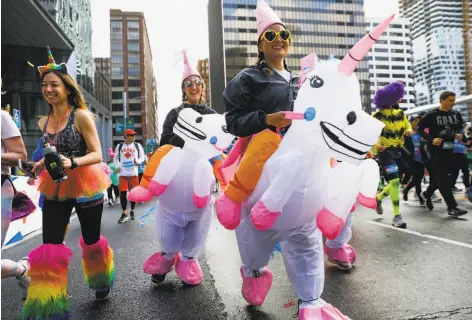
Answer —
28 27
391 59
102 81
132 77
437 32
327 27
204 71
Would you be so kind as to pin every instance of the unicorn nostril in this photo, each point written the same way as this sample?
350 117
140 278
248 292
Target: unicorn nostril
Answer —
351 117
213 140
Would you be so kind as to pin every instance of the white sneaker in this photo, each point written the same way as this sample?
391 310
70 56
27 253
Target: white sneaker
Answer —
435 198
24 280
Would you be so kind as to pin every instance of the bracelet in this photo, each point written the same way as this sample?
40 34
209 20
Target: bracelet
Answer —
73 163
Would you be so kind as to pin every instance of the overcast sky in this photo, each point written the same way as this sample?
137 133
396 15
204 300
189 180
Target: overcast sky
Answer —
177 25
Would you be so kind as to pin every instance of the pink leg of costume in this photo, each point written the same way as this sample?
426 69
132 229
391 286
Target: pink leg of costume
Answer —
338 250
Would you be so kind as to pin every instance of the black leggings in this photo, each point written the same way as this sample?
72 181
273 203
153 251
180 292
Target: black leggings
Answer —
124 201
112 189
56 215
440 167
461 164
417 173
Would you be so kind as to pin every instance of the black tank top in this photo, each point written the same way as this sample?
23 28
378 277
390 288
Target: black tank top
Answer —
70 142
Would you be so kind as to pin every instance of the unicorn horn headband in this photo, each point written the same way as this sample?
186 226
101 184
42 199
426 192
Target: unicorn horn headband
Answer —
52 65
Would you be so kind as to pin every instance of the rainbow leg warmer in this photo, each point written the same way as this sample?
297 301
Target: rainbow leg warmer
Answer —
97 262
47 293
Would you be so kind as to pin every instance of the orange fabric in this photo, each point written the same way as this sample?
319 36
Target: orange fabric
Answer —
153 164
218 176
259 150
128 183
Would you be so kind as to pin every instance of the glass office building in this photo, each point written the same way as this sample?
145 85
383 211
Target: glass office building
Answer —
328 27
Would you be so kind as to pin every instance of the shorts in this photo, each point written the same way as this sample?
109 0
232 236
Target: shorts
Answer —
394 162
128 183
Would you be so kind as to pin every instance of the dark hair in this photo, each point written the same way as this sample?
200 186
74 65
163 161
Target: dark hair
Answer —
202 96
74 98
446 94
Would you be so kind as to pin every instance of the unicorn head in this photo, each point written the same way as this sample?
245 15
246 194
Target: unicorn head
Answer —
204 133
329 104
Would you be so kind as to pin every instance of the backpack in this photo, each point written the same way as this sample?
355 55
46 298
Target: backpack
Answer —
121 145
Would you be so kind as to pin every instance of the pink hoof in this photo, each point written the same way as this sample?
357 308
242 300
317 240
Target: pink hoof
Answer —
329 224
262 218
344 254
189 271
139 194
201 202
156 188
228 212
370 203
255 290
158 264
326 312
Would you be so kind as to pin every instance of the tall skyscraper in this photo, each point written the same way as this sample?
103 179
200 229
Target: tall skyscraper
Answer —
204 71
391 60
102 81
327 27
133 83
438 46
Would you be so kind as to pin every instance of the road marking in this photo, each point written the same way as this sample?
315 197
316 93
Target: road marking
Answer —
31 235
457 243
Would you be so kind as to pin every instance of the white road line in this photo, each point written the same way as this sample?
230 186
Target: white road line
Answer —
30 235
457 243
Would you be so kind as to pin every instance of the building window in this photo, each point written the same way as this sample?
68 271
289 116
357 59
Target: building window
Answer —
117 106
116 47
116 95
134 94
133 71
134 83
116 35
133 35
133 59
117 71
137 119
117 59
117 83
134 47
398 67
135 107
382 67
133 24
381 50
116 25
381 58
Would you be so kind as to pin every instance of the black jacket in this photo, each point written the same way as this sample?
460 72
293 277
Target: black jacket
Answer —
168 136
255 92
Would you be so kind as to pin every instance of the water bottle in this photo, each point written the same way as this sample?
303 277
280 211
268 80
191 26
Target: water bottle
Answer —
53 163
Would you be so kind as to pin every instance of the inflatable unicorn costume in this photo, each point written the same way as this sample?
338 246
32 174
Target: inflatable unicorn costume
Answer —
183 179
299 196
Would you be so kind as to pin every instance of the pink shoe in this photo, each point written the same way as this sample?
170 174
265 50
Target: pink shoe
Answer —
140 194
329 224
189 271
156 189
343 257
228 212
254 289
201 202
158 264
262 218
326 312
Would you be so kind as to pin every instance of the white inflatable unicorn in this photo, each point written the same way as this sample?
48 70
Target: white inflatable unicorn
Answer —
183 179
299 196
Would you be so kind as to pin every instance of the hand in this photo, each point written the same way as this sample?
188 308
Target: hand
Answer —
66 162
136 162
31 181
37 167
369 155
437 141
277 120
409 133
458 137
118 170
379 148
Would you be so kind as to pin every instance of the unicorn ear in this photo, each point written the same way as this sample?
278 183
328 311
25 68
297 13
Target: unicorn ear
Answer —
307 64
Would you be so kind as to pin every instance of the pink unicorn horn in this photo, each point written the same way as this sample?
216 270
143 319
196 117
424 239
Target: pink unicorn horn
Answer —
360 49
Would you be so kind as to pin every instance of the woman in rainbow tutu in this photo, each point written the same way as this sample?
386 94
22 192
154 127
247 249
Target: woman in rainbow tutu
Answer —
70 128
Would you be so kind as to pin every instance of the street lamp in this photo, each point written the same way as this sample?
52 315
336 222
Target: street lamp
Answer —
124 106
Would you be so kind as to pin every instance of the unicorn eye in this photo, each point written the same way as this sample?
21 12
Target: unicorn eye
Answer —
225 129
199 120
316 82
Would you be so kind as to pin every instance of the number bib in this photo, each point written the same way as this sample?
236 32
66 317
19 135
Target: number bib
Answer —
393 168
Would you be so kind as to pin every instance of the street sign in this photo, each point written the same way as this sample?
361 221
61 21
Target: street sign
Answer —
17 118
130 123
120 127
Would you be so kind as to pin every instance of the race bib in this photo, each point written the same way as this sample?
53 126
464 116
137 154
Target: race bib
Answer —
393 168
448 145
128 164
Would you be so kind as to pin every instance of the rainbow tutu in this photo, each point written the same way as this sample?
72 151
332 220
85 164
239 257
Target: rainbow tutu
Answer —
84 184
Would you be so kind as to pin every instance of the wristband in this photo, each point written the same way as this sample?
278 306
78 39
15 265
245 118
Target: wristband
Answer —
73 163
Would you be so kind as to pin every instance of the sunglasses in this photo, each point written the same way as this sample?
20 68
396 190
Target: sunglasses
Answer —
189 83
270 35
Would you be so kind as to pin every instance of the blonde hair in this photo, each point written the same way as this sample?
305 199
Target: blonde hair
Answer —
202 95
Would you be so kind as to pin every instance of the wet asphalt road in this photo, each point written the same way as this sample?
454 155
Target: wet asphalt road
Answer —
399 275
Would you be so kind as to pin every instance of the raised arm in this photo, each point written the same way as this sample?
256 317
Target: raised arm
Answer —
166 171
